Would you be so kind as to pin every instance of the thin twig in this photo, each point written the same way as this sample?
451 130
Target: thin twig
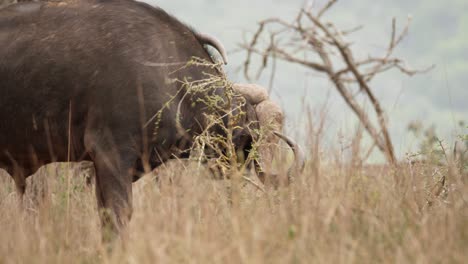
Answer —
254 184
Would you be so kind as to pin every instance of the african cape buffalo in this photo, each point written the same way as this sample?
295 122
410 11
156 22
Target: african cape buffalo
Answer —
80 80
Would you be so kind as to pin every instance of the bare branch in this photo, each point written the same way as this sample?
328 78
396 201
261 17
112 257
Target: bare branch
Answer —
326 7
308 34
249 53
286 56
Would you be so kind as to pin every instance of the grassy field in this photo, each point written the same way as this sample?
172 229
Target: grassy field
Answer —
334 213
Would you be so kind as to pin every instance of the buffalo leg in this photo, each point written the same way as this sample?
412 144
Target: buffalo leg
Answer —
18 174
20 181
113 192
114 165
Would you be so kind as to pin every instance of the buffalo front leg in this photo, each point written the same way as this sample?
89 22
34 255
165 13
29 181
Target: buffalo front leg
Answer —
114 172
18 173
114 196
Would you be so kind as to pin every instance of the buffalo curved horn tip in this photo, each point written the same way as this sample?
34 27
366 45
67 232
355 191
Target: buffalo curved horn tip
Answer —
214 42
299 156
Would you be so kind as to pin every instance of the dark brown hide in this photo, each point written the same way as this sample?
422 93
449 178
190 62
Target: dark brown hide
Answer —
81 79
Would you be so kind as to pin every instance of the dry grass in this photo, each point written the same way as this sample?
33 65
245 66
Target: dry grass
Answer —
341 214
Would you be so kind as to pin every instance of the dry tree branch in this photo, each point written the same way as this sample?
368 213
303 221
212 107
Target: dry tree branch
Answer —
348 58
309 34
249 53
326 7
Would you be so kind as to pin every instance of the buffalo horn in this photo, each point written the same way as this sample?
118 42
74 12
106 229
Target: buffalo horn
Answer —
214 42
299 160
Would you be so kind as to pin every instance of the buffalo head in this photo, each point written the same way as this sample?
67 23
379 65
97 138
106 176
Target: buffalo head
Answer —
262 130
